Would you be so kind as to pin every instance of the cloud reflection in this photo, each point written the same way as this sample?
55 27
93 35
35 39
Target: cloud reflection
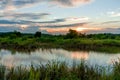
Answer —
80 55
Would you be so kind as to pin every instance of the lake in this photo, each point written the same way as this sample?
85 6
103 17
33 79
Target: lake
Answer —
42 56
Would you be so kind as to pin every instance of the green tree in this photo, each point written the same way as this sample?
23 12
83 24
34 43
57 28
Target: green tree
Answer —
18 34
14 34
37 34
72 34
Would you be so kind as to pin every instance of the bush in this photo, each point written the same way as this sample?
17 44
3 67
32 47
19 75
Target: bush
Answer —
18 34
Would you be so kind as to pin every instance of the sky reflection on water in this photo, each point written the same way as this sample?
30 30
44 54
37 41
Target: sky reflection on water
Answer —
43 56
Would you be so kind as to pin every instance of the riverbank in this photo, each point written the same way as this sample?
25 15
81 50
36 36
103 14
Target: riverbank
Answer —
71 41
31 44
60 71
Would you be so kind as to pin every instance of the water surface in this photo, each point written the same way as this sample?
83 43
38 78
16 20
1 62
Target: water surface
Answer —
42 56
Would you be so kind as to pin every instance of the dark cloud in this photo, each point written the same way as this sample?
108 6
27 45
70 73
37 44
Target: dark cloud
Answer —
8 22
80 19
70 3
26 16
24 3
66 25
53 21
29 29
110 22
29 22
7 29
31 15
104 30
14 22
17 3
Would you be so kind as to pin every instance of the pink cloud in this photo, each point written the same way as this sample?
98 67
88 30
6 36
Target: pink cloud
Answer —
70 3
14 4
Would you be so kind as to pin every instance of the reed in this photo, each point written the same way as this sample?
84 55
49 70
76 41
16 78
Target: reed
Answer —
60 71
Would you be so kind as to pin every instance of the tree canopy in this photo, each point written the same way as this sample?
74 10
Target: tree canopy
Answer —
37 34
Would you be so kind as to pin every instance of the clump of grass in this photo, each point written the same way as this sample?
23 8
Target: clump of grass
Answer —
2 72
116 69
59 71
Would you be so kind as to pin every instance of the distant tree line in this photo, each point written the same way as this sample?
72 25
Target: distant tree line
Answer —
15 34
70 35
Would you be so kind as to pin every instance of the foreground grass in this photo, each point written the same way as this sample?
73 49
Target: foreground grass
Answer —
60 71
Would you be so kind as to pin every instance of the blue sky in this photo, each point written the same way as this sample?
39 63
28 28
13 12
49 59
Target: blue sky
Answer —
58 16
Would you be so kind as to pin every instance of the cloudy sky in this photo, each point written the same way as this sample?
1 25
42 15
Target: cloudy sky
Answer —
58 16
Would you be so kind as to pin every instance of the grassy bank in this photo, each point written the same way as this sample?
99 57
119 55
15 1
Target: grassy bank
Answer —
60 71
29 42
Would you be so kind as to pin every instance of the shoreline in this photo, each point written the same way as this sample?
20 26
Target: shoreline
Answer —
32 47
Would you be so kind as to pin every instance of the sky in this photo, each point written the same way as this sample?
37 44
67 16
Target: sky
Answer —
58 16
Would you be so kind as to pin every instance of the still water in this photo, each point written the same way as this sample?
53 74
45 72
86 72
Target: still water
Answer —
42 56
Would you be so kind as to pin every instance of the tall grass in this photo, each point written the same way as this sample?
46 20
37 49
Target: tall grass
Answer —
60 71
